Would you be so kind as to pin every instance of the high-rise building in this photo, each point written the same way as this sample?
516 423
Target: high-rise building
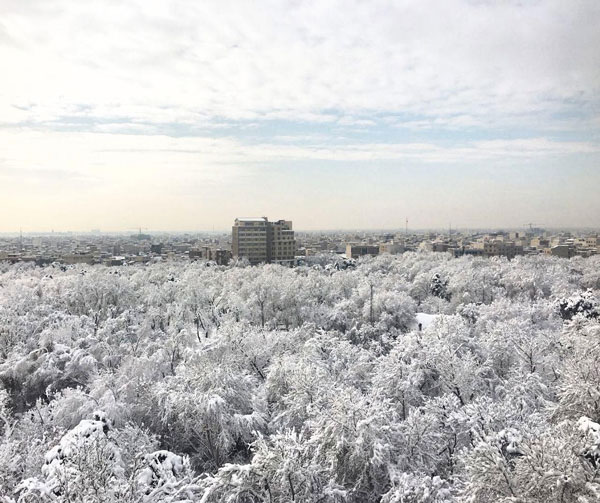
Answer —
260 241
281 242
249 239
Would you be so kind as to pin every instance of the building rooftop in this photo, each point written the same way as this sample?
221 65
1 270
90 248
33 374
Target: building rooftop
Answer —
252 219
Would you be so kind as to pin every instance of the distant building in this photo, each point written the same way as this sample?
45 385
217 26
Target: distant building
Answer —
390 248
78 258
464 250
359 250
181 247
540 242
261 241
193 254
115 261
592 241
220 256
141 237
498 247
439 246
564 251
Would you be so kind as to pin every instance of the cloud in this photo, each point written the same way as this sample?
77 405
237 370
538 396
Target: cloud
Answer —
141 157
163 105
448 61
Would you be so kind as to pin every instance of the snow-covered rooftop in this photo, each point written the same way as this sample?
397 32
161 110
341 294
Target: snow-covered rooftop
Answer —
252 219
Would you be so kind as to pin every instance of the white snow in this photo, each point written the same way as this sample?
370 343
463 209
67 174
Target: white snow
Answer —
163 467
426 319
84 433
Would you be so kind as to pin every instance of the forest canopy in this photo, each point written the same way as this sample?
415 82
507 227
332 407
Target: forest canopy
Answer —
192 382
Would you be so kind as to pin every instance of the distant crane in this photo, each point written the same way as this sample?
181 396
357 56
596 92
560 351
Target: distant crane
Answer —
140 229
531 224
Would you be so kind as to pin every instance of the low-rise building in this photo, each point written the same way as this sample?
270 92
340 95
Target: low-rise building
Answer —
564 251
391 248
359 250
439 246
220 256
78 258
497 248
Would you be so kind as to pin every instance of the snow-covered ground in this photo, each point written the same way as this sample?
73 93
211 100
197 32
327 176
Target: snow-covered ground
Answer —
425 319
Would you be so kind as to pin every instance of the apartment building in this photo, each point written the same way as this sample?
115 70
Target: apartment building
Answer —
391 248
260 241
219 255
281 247
540 243
249 239
359 250
563 251
498 247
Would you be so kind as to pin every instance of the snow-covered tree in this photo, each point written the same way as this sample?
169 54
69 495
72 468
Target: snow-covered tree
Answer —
272 384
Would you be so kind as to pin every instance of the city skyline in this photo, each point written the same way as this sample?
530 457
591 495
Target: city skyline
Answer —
117 115
259 240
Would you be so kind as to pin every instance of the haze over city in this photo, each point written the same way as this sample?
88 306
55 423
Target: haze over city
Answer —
184 115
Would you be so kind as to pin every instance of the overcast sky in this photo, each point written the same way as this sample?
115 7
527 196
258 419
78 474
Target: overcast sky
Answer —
182 115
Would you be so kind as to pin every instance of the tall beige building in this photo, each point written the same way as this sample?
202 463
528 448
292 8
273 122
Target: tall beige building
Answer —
281 244
260 241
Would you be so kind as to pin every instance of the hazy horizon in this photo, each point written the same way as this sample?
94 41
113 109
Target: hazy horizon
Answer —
335 115
158 232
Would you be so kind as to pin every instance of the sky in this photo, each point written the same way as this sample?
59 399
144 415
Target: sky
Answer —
183 115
